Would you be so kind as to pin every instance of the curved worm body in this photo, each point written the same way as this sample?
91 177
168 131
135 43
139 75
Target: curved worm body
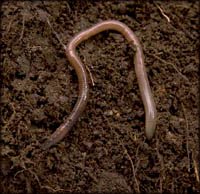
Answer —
147 98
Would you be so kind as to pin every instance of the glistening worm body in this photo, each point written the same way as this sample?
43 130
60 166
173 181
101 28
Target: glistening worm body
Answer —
147 98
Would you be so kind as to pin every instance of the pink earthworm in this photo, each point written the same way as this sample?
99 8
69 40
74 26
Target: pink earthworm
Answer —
146 94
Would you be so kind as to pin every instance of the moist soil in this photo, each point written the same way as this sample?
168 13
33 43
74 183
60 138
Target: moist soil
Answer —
106 151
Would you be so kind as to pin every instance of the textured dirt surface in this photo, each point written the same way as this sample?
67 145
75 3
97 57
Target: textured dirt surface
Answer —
106 151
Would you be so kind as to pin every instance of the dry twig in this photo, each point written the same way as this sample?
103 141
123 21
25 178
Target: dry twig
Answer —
90 75
168 63
196 170
160 158
134 169
187 136
162 12
23 23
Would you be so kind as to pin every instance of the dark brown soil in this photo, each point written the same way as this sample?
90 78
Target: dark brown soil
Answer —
106 151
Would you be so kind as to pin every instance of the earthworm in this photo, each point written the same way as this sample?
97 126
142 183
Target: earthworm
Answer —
144 87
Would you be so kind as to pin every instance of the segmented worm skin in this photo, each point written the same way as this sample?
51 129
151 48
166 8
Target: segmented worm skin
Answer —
147 98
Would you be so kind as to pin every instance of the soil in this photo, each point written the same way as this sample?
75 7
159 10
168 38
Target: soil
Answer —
106 151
